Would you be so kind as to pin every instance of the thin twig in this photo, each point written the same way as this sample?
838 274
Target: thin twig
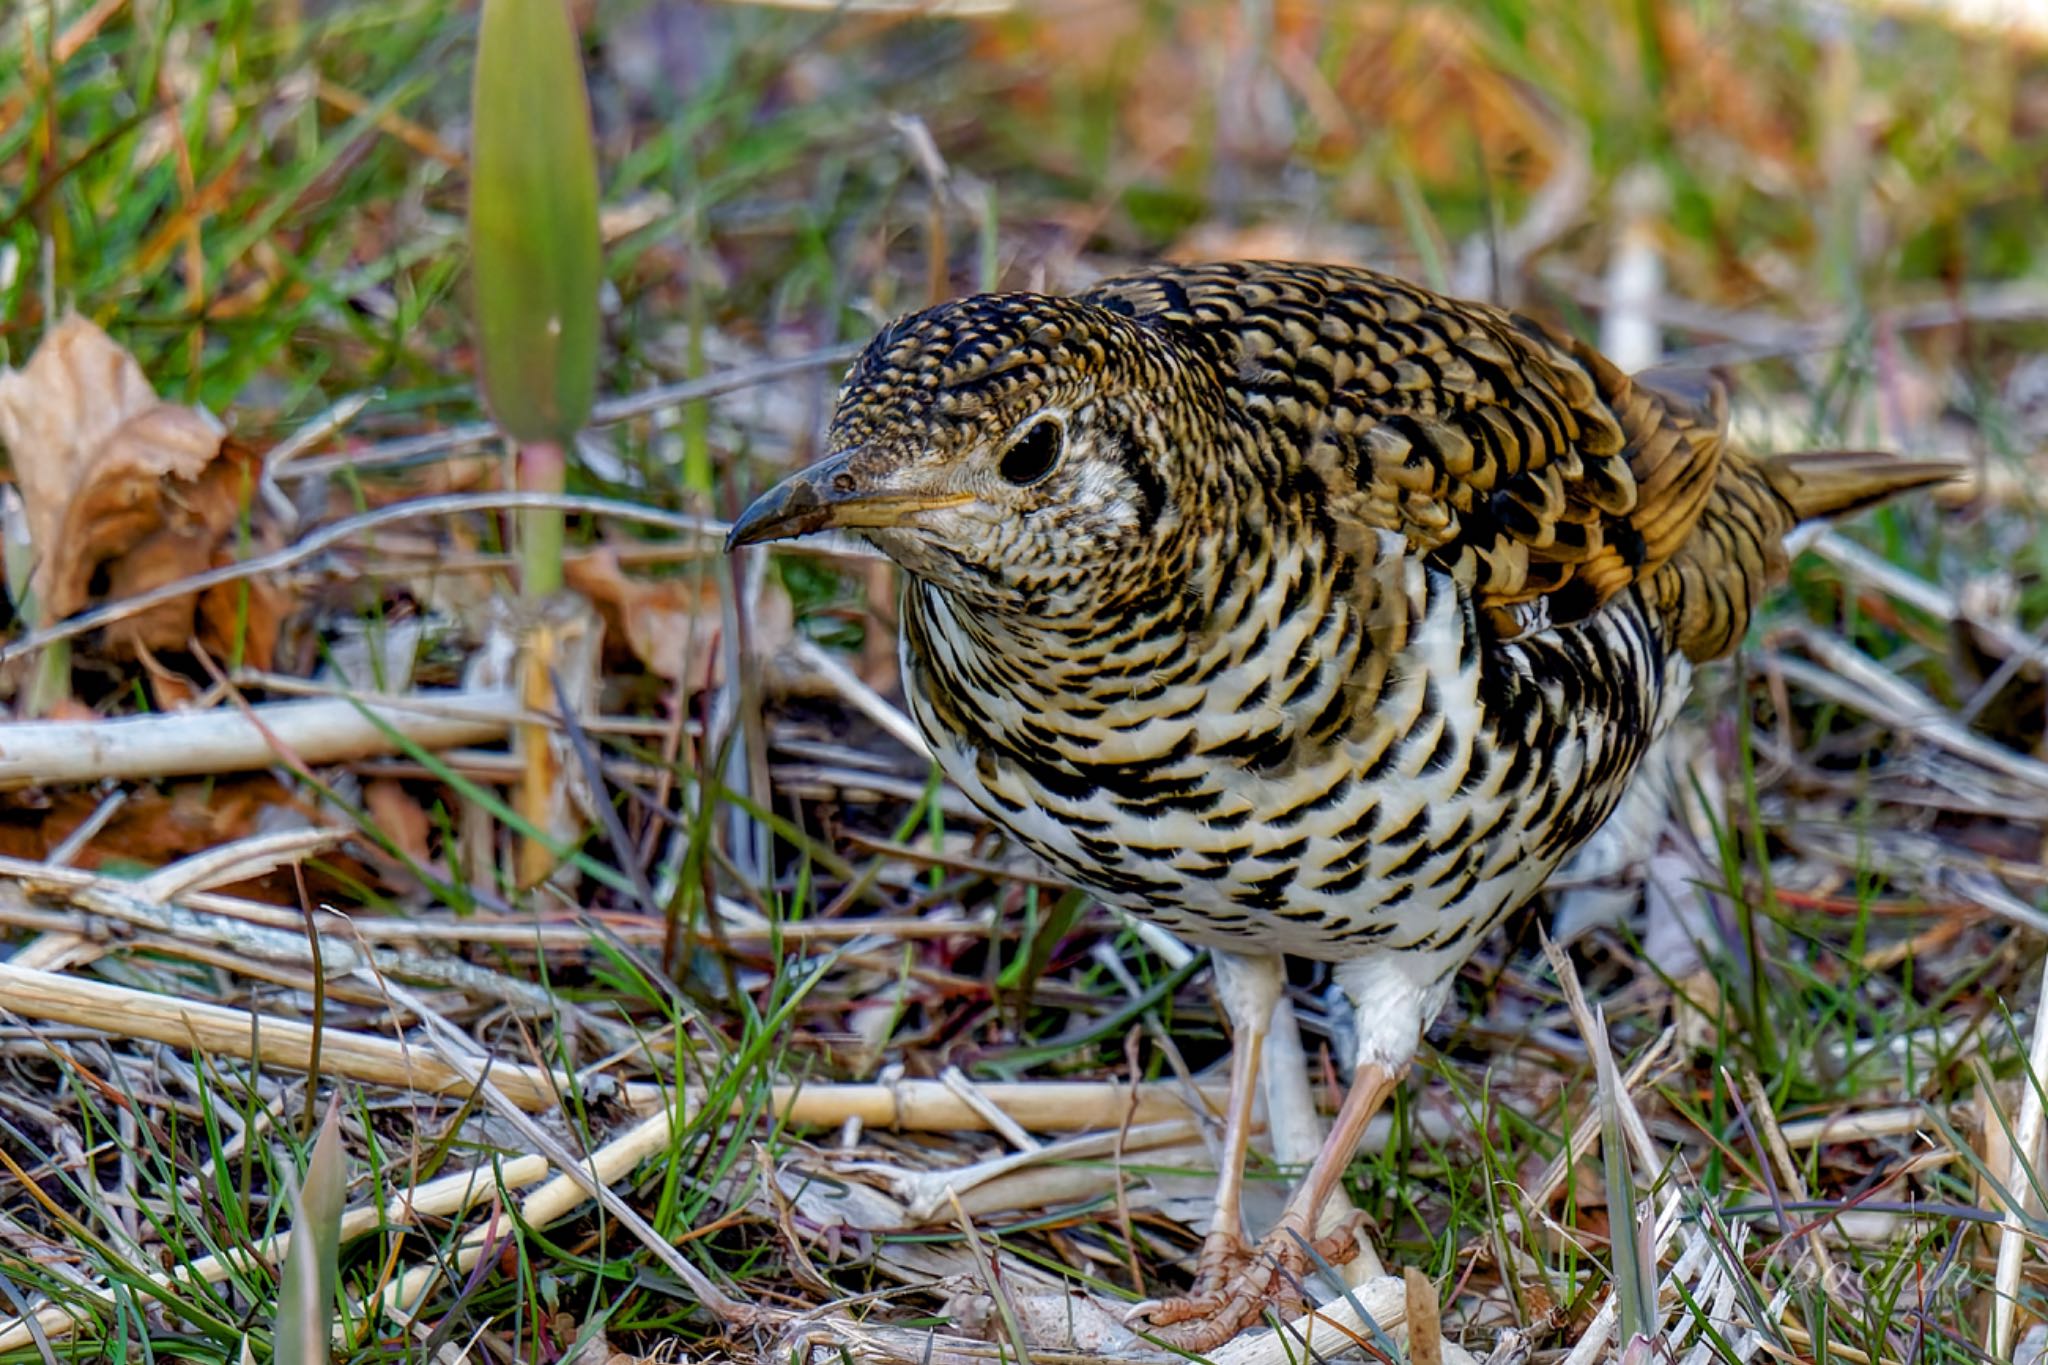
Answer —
303 549
604 414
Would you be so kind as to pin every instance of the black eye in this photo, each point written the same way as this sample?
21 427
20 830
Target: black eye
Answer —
1032 455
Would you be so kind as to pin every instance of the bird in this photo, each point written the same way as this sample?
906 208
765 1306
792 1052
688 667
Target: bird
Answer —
1298 609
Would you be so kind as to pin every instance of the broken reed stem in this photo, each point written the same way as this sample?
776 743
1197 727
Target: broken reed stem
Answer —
543 470
181 744
539 775
272 1040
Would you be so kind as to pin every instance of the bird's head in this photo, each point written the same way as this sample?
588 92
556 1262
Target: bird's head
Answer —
1028 454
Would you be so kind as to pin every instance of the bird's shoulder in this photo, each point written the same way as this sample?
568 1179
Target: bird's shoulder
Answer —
1517 458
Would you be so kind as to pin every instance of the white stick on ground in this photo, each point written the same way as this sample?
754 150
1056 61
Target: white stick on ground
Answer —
2019 1184
182 744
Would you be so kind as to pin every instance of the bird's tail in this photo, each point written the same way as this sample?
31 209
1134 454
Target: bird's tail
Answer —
1737 548
1833 483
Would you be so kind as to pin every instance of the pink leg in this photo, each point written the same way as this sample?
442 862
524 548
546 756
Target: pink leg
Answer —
1250 987
1204 1321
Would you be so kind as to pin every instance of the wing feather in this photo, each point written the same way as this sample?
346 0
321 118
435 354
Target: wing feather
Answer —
1516 458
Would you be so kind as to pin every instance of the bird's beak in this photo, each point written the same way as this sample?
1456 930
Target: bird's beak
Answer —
827 496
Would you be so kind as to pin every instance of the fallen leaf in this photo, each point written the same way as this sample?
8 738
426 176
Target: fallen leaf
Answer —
400 819
71 397
155 826
123 493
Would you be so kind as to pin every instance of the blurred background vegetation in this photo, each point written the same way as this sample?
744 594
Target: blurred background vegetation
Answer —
265 199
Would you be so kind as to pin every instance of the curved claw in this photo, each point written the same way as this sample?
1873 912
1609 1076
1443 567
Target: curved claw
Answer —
1200 1323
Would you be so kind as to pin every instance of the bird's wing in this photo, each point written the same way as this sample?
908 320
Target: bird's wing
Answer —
1523 462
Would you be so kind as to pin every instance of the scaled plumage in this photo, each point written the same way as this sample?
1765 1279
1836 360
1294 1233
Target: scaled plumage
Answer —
1300 609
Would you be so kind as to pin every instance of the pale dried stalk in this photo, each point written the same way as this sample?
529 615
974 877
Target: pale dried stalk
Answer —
956 1080
180 744
145 906
914 1106
566 937
860 696
241 860
1788 1170
1587 1129
1629 333
1075 1169
273 1040
459 1052
1331 1329
1598 1333
906 1106
2020 1177
1065 1172
1852 678
1637 1135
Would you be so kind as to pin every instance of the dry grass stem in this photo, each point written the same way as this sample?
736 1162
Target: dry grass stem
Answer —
2022 1181
137 748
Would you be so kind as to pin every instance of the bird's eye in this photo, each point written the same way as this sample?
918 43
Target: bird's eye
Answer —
1032 455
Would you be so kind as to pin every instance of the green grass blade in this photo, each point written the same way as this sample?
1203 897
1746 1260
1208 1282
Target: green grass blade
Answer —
305 1299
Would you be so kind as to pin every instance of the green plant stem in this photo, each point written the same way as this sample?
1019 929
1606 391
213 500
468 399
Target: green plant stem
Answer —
543 468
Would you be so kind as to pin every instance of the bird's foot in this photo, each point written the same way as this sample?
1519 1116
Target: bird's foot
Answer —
1234 1283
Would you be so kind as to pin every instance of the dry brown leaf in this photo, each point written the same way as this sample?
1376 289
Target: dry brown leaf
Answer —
154 827
76 391
124 493
400 819
673 625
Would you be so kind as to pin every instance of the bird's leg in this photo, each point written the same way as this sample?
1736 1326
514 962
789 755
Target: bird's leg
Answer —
1293 1127
1225 1245
1281 1260
1250 987
1370 1086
